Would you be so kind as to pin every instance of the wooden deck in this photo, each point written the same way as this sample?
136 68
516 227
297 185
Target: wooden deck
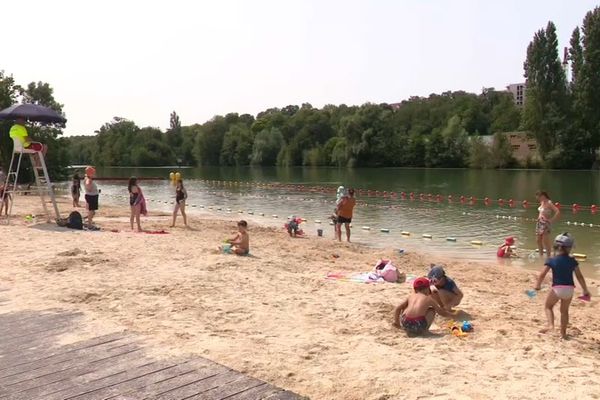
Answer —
34 366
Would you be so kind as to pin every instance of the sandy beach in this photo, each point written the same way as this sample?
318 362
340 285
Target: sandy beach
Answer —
274 316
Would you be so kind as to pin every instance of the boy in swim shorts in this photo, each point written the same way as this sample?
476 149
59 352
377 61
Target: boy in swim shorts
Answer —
240 243
416 314
443 289
563 267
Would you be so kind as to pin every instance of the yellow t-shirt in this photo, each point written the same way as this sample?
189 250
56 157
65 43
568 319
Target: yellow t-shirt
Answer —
18 131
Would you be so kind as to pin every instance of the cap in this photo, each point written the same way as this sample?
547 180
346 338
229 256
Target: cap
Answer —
564 240
509 240
421 283
436 272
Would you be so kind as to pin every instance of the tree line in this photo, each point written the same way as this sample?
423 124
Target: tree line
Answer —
441 130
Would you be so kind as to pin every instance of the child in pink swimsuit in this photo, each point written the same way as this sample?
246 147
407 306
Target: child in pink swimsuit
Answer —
563 268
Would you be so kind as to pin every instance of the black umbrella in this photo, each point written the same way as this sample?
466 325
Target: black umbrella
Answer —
32 112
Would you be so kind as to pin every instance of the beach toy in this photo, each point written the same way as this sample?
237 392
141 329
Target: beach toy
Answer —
531 293
457 331
585 298
319 232
466 326
580 256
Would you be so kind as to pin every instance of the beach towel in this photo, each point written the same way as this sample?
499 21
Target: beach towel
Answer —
142 203
365 277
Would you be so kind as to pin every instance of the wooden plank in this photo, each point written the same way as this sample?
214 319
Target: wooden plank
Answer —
191 372
285 395
43 387
135 385
17 322
41 355
12 330
62 361
32 340
86 387
241 384
201 386
256 393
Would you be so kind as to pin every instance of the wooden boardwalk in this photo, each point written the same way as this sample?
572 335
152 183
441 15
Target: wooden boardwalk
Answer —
34 366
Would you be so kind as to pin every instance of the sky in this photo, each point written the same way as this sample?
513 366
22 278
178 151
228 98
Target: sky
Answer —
142 60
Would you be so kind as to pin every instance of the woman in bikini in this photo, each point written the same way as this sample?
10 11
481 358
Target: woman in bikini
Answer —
180 198
548 213
135 202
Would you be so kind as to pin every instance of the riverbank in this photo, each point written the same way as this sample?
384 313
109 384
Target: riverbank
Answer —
274 316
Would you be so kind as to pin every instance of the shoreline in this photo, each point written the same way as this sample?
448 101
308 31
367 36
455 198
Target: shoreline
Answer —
276 317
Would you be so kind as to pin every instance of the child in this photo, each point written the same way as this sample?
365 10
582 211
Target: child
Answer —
444 290
415 315
506 251
563 267
240 243
293 227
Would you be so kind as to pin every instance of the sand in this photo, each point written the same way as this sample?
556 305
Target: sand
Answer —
274 316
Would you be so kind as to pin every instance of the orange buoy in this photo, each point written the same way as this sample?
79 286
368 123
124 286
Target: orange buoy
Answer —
525 203
500 202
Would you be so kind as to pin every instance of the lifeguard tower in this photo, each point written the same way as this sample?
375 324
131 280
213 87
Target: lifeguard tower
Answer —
43 187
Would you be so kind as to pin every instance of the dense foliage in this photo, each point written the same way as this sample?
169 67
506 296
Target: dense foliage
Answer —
565 118
433 132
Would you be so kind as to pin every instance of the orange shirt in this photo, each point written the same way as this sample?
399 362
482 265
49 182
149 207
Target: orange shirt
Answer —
346 207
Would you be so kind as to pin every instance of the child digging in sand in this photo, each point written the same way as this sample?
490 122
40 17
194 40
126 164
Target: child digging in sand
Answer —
415 315
443 289
563 267
506 250
240 243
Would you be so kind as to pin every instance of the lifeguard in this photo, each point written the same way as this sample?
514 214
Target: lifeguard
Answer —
19 132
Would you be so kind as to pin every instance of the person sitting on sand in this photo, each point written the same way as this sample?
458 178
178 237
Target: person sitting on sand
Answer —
293 226
240 243
443 289
505 250
563 267
416 314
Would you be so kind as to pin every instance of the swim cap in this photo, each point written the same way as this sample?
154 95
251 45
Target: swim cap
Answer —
564 240
421 283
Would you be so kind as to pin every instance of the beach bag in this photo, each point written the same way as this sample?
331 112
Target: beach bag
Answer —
387 270
75 221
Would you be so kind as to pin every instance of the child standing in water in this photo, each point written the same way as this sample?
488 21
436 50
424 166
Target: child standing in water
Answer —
563 267
180 198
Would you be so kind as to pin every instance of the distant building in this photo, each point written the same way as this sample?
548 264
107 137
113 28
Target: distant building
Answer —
518 92
524 148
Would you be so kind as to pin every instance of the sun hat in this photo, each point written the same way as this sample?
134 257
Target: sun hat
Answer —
564 240
509 240
436 273
421 283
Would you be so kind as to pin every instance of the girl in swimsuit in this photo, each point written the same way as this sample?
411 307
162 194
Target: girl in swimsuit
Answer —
135 197
548 213
76 190
180 198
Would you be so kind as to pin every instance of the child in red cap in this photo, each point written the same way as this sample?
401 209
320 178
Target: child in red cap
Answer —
506 251
415 315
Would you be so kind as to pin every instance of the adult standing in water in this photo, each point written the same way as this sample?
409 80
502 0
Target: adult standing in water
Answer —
180 198
547 214
344 211
91 194
136 202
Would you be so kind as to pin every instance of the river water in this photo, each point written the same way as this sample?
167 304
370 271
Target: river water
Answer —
488 224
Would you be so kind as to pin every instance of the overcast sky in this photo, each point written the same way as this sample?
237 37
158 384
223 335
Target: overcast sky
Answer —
143 59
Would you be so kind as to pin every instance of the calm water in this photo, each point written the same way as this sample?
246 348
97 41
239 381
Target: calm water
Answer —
488 224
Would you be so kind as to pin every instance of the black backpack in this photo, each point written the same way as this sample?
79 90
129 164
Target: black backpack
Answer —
75 220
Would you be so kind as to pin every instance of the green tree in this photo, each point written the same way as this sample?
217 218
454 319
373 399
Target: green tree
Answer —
501 153
546 104
267 145
479 153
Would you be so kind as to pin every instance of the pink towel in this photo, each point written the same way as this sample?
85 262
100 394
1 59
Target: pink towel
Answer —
142 203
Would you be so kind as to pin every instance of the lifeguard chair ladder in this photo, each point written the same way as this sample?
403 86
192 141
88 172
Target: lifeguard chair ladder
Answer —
43 186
